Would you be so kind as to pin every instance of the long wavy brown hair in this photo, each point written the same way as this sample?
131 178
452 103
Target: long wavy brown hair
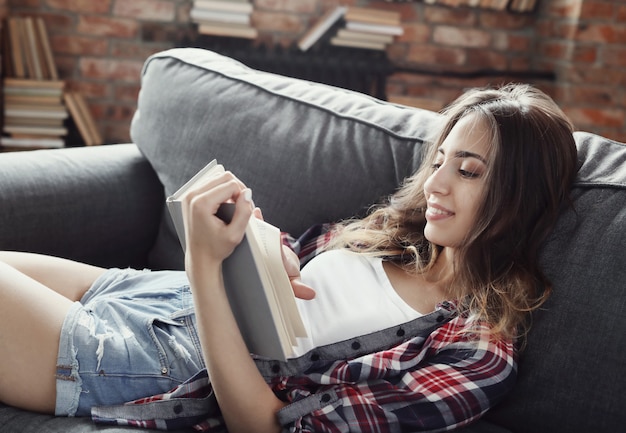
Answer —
531 166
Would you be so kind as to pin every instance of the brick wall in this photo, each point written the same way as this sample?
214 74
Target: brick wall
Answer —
100 47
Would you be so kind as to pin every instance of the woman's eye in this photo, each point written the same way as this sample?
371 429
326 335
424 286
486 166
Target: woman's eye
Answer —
436 166
470 174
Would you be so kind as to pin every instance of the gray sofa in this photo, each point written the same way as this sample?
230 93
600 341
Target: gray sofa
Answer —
313 153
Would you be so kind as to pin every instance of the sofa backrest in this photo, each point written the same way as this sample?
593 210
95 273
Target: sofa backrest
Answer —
313 153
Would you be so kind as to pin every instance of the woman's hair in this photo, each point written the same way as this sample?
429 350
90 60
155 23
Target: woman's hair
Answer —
532 163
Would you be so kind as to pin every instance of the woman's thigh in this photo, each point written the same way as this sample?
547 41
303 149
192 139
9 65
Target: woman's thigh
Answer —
31 318
66 277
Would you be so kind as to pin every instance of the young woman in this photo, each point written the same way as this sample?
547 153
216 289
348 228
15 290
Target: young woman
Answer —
413 313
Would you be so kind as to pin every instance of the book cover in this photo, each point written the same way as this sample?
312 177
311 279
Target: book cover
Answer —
255 279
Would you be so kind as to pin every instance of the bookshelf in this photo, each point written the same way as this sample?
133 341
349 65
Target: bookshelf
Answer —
38 109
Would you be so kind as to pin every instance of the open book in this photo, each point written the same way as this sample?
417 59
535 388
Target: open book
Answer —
256 282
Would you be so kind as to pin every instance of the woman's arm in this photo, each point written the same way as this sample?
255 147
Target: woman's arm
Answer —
246 401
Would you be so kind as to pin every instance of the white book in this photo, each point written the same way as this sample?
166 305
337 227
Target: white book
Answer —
203 15
30 143
320 27
375 28
224 6
224 29
255 279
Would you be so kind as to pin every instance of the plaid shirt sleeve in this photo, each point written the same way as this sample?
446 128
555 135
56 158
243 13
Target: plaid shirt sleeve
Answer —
444 381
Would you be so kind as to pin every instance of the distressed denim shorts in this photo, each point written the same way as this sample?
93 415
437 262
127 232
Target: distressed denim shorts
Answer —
132 335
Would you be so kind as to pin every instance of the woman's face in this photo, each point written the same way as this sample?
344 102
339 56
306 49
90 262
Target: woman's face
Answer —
455 188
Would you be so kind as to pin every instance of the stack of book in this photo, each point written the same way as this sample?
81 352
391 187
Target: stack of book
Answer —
513 5
223 18
368 28
355 27
34 113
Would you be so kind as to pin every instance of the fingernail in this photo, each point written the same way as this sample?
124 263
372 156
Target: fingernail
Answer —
247 195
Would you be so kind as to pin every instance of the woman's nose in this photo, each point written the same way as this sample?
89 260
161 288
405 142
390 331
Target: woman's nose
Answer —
439 181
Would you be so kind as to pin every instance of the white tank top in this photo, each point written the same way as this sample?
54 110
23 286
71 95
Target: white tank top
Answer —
353 297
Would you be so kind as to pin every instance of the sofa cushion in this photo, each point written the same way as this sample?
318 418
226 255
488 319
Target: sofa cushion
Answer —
571 375
311 153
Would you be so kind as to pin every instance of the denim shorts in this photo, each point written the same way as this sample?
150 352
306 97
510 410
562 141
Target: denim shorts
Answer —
132 335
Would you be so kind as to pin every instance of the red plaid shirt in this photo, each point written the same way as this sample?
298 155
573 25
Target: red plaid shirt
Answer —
435 373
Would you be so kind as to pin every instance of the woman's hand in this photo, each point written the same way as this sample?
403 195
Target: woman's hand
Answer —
208 238
292 266
238 385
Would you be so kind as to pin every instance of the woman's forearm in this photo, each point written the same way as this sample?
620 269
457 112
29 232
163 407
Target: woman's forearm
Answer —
246 401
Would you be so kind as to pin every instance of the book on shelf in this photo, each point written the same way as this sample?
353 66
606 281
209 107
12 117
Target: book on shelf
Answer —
368 28
223 18
10 143
346 34
35 111
35 130
224 6
352 43
29 49
321 27
385 29
232 30
255 279
373 16
206 15
78 109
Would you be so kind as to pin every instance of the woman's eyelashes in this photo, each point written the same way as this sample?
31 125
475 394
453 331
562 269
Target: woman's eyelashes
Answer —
466 172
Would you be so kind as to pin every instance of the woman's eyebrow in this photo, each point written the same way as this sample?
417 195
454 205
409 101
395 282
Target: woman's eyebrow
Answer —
465 154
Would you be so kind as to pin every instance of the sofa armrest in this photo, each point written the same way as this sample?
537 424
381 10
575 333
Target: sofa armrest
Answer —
101 205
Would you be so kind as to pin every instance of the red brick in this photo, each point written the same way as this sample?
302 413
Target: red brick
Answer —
82 6
110 69
460 17
91 89
556 49
601 33
127 93
594 95
105 26
563 8
150 10
415 33
135 50
508 41
486 59
436 56
522 63
590 117
614 56
461 37
505 20
620 15
297 6
79 45
580 73
278 22
585 54
593 9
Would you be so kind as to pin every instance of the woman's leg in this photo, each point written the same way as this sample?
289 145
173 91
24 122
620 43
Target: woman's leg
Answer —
66 277
36 293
